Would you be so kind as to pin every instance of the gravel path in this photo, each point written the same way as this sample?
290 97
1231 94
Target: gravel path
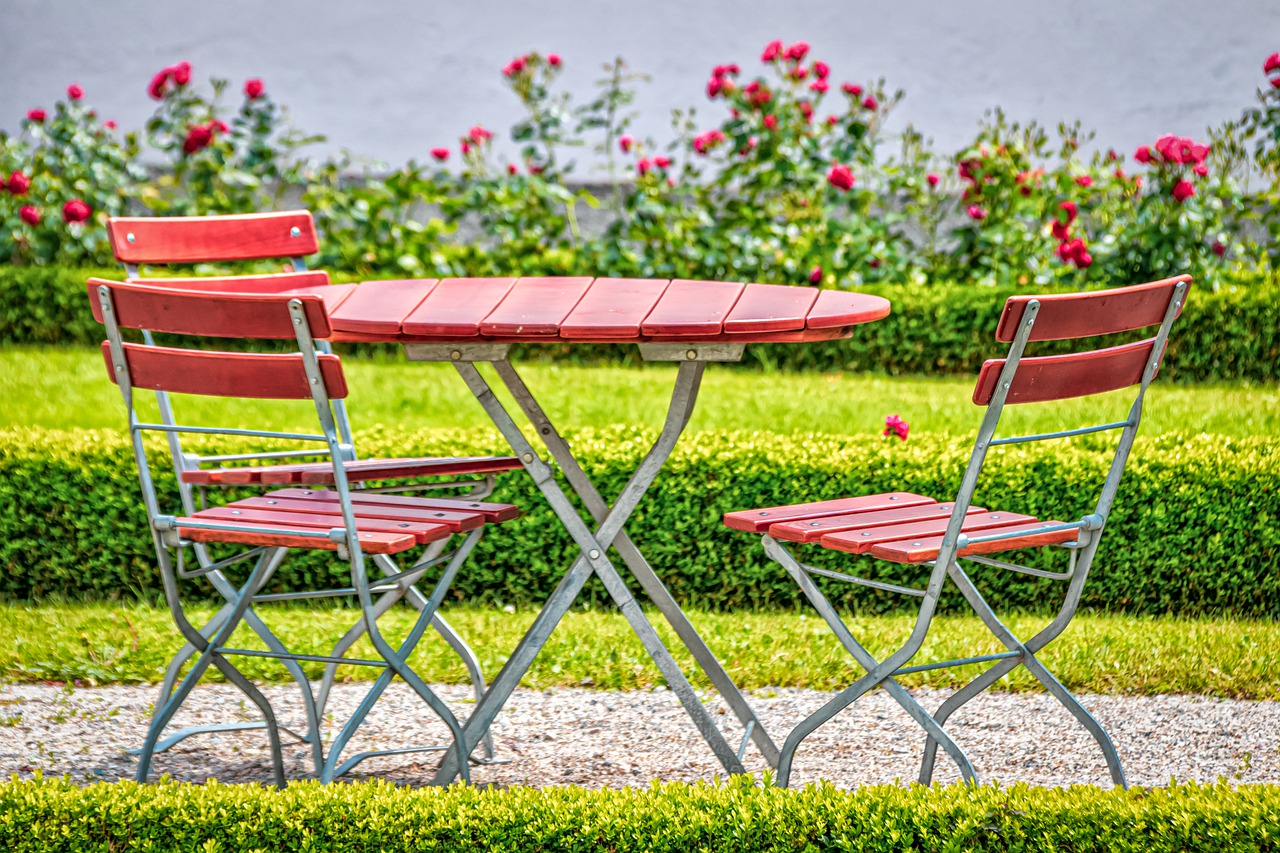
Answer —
601 739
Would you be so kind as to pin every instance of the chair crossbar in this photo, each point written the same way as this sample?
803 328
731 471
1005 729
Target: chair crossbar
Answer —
1066 433
1027 570
224 650
925 667
963 541
206 568
275 454
170 523
388 584
887 587
256 433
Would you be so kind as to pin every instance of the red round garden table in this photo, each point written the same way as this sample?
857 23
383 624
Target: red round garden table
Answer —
471 320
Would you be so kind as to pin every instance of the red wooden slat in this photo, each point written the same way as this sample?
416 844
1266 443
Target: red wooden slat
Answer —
1058 377
836 308
379 307
225 374
770 308
862 541
223 315
492 512
315 282
759 520
919 550
535 307
1099 312
200 239
400 469
455 521
811 530
456 307
692 308
370 543
613 308
421 532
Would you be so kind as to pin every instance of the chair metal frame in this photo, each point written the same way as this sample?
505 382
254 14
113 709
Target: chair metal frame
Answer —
210 641
185 461
1018 652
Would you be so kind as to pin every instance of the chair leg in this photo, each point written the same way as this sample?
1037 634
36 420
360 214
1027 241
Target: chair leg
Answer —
1037 669
469 659
828 613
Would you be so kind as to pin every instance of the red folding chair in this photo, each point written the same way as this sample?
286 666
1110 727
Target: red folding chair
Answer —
290 235
913 529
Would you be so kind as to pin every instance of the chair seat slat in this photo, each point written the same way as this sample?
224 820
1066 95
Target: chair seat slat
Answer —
455 521
492 512
811 530
760 520
269 536
423 532
923 549
862 541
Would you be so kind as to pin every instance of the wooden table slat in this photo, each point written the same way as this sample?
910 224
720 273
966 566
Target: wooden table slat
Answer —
613 308
535 307
692 308
837 308
379 307
770 308
456 307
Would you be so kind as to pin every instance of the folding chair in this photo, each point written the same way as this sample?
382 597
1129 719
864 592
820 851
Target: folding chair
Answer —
913 529
291 234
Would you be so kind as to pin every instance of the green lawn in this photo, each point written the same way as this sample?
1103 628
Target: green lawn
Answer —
68 388
104 643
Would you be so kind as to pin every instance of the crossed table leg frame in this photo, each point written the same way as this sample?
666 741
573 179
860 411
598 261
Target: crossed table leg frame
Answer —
594 545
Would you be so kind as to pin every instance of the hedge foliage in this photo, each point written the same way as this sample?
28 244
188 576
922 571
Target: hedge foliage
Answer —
1229 335
735 816
1193 532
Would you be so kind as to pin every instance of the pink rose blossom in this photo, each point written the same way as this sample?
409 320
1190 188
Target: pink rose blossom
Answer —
18 183
819 85
870 103
643 165
182 73
1069 208
1143 154
1200 169
771 51
625 142
798 51
932 179
1084 181
511 169
76 211
109 124
853 90
821 70
29 214
1183 190
253 89
841 177
662 162
553 59
74 92
976 213
771 122
1218 248
894 425
815 275
38 116
441 154
1272 63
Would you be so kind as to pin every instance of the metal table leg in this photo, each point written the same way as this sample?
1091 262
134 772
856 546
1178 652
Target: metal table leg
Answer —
593 559
640 568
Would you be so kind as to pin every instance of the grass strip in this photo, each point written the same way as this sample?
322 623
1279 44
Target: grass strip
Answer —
130 644
67 388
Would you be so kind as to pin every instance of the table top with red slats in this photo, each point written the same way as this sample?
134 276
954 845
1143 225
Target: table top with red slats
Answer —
599 310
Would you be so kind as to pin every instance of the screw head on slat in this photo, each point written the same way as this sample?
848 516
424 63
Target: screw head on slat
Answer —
295 231
273 503
131 238
815 524
764 513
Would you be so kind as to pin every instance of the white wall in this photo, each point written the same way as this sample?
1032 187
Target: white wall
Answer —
393 79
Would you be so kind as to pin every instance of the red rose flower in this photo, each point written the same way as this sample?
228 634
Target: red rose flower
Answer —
853 90
553 59
771 51
1199 153
771 122
29 214
874 263
1084 181
625 142
198 136
1143 154
1082 260
807 109
1200 169
513 67
1218 248
821 70
74 92
479 134
465 147
1069 207
713 87
932 179
156 88
1183 190
1275 82
440 154
662 162
798 50
76 211
1060 230
870 103
218 126
511 169
109 124
182 73
38 116
815 275
833 120
894 425
18 183
798 73
253 89
819 85
841 177
643 165
1272 63
976 213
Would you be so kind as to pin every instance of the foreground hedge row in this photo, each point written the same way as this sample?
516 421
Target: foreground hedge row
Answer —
58 816
1194 530
1233 334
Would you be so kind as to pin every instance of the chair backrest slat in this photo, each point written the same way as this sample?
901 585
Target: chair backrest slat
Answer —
273 376
281 282
1100 312
211 239
1059 377
222 315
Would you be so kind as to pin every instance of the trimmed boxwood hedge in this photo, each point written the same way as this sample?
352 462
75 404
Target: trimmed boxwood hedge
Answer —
1228 335
51 816
1194 530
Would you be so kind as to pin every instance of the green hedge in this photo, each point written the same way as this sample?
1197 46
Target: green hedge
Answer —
737 816
1231 334
1194 530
